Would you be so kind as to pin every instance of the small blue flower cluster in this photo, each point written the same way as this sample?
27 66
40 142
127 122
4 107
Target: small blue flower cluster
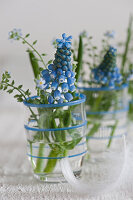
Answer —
15 34
107 73
110 34
59 77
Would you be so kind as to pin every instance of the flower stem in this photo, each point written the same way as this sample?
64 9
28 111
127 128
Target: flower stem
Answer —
39 163
25 41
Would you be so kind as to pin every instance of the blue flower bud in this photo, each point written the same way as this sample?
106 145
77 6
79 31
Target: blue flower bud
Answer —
96 78
61 79
113 76
65 68
68 58
47 86
51 67
67 53
64 35
64 63
46 76
68 96
59 71
60 100
61 50
59 65
104 80
63 57
59 60
57 94
116 69
111 84
50 99
54 85
70 81
72 74
53 75
68 73
72 88
68 45
70 67
69 64
64 87
109 74
59 45
44 72
69 38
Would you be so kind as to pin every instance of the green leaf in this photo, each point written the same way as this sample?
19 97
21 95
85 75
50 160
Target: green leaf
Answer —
1 87
34 64
44 54
79 58
49 62
10 91
17 95
27 35
20 86
128 39
12 82
20 99
27 92
34 42
5 87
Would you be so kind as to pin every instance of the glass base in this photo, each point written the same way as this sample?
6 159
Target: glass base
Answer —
54 177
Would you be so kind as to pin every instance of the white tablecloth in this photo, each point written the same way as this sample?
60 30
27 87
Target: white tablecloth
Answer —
16 179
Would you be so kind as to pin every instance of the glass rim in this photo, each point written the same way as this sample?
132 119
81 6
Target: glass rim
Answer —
125 85
71 103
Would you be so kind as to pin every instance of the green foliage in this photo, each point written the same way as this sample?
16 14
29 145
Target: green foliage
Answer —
79 58
127 44
112 133
87 53
34 64
9 86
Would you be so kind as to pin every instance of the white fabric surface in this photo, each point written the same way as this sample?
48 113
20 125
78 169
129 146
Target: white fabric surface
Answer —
16 178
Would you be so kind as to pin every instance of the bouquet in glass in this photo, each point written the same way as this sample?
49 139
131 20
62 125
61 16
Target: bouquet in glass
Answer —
55 116
105 88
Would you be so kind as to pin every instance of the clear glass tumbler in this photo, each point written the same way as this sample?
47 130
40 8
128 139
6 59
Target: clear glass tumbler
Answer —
106 110
55 131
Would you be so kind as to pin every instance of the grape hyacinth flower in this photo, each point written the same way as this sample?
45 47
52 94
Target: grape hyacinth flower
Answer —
107 73
60 75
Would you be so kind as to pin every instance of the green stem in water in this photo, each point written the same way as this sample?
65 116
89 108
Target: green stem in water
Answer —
39 162
51 162
60 137
112 133
31 154
93 130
